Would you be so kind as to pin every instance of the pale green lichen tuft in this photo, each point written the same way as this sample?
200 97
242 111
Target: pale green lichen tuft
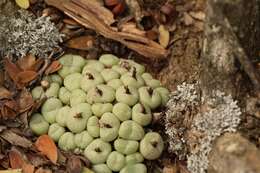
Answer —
184 100
24 33
223 115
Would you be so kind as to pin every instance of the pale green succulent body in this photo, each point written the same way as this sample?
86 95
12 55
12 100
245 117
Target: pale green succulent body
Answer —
93 104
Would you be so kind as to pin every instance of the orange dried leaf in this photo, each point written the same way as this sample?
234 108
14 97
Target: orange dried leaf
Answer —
16 159
26 76
26 62
55 66
11 69
82 42
28 168
47 147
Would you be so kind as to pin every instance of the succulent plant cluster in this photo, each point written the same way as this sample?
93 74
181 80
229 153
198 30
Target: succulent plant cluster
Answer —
100 108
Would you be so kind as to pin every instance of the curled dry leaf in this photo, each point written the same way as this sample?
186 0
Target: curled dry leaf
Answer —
47 147
83 42
164 36
53 67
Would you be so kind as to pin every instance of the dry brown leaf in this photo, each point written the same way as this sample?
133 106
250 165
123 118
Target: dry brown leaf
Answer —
15 139
82 42
41 170
130 27
25 101
7 113
26 76
11 69
74 165
16 159
164 36
47 147
26 62
53 67
4 93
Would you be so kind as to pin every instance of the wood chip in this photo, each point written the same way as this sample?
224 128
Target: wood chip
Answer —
81 43
198 15
188 20
15 139
164 36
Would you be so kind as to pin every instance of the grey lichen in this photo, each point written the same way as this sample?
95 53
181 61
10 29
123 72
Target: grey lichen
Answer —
182 104
193 123
24 33
222 115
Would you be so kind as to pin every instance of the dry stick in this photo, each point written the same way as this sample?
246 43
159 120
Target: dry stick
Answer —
80 12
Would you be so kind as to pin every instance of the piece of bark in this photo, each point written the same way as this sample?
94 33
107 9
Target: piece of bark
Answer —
233 153
15 139
81 13
222 54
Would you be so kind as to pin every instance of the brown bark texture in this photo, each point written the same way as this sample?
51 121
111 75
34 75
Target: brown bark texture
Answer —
230 47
